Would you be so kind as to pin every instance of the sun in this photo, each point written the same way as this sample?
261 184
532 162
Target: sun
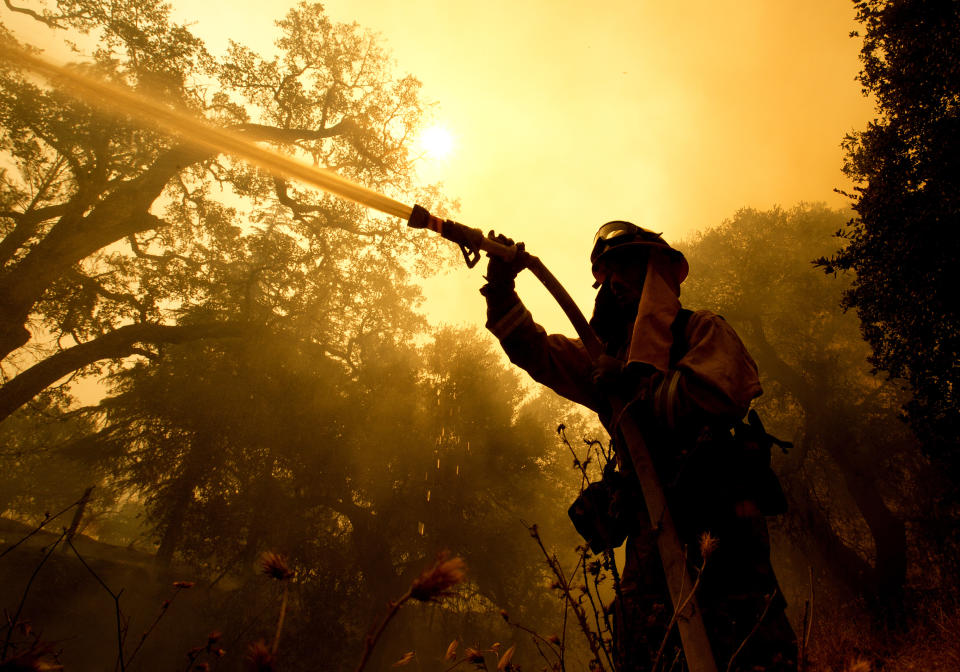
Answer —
436 142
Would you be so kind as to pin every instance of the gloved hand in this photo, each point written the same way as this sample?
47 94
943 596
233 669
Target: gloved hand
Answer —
628 381
607 374
501 274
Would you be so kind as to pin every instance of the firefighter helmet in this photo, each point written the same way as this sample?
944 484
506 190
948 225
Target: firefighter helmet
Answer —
617 235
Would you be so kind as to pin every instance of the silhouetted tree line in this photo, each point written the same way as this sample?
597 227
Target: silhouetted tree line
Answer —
863 497
905 239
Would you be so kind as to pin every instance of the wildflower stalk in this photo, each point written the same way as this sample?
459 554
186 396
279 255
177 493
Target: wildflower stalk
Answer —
756 626
536 636
431 586
593 606
677 610
546 660
163 610
610 564
807 625
275 566
473 656
456 664
26 591
579 464
563 637
708 544
283 613
372 638
564 585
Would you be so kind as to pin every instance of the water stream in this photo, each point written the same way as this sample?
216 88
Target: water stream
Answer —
114 99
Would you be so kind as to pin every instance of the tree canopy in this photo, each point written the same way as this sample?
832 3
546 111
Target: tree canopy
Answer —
858 512
271 385
905 237
117 239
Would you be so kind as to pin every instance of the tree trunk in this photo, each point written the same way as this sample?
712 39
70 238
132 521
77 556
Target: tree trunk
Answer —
823 549
889 533
884 590
178 504
78 515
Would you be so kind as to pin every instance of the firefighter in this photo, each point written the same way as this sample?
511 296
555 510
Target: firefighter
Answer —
688 380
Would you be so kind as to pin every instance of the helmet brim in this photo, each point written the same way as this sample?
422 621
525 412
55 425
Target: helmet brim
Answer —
675 256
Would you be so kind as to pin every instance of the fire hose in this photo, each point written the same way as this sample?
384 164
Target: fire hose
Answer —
693 634
472 242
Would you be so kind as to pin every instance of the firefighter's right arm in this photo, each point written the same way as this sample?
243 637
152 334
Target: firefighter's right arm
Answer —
560 363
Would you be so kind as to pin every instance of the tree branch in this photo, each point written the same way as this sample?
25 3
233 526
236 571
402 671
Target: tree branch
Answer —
290 135
26 226
92 284
301 209
32 216
47 20
123 212
115 344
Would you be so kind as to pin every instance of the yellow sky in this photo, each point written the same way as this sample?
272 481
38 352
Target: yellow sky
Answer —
567 114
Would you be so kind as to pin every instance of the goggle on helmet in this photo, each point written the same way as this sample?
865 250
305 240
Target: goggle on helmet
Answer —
619 234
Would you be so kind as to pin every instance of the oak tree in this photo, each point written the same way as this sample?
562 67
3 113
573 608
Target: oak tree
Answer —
854 473
905 238
118 239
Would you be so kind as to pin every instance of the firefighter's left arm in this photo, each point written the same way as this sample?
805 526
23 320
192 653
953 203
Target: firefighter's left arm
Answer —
714 382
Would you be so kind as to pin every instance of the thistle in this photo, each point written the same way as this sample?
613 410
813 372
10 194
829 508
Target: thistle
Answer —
435 582
260 658
708 544
431 586
275 566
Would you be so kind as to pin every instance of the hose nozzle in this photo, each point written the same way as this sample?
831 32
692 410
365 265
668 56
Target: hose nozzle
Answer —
471 241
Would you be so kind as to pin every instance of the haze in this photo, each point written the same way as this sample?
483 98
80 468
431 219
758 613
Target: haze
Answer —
564 116
272 430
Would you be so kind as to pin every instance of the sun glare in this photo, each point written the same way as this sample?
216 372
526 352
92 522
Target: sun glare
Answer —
437 142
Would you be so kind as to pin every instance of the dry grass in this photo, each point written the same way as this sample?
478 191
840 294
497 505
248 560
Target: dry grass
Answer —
844 642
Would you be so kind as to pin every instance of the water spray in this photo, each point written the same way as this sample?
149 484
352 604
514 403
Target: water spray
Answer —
118 100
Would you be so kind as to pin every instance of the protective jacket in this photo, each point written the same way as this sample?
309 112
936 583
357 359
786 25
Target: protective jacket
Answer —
686 396
712 382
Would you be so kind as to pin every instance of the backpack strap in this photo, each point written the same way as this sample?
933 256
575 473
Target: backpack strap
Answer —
679 332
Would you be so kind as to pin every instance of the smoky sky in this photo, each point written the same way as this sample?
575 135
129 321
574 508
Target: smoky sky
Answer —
564 115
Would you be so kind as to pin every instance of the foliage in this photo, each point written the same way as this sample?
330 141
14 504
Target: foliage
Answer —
40 477
905 238
357 475
860 492
276 398
118 240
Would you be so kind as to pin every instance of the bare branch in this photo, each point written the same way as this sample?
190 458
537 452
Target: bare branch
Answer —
291 135
115 344
301 209
47 519
51 21
27 223
92 284
26 591
121 635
